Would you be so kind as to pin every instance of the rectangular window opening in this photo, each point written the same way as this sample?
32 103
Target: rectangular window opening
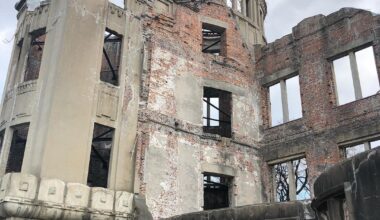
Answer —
352 150
343 80
216 191
291 185
294 98
35 53
119 3
369 80
111 58
100 156
285 101
217 112
1 140
356 76
17 149
247 8
239 5
229 3
277 117
213 39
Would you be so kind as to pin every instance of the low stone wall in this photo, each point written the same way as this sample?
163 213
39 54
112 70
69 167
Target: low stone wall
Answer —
350 190
272 211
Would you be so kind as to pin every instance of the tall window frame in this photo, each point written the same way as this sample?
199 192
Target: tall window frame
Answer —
217 190
359 147
290 186
35 55
100 157
217 111
353 72
278 100
111 57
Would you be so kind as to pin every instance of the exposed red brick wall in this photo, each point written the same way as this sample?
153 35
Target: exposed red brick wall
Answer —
309 50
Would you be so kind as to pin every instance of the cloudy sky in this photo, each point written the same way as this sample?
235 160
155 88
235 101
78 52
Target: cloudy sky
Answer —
282 16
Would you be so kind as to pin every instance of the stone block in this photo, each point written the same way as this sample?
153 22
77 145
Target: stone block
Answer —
101 203
123 203
51 196
18 186
76 200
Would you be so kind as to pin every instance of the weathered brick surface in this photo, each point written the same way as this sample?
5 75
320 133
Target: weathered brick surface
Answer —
309 50
172 149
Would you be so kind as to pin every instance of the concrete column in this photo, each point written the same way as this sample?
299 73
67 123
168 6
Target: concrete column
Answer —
349 200
274 185
7 141
284 99
257 9
367 145
243 7
355 76
250 9
23 57
254 11
61 130
292 182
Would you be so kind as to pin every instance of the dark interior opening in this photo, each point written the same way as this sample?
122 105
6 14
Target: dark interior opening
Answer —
216 191
17 149
217 107
1 140
111 58
36 50
247 8
100 156
213 39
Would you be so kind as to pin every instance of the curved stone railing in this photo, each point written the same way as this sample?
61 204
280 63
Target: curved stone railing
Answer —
26 196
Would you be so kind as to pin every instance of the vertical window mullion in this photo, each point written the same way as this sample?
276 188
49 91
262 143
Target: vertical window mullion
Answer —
355 76
208 112
292 181
284 100
367 146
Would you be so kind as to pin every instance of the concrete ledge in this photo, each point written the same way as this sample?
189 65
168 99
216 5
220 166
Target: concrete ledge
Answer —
273 211
26 196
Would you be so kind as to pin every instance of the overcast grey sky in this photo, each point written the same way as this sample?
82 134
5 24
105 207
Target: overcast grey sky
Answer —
282 16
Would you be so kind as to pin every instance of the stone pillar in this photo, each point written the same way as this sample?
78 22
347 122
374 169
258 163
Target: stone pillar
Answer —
61 129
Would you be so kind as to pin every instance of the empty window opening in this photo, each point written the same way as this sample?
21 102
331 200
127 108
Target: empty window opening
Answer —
229 3
1 140
248 8
239 5
34 60
285 101
100 156
213 38
291 181
111 58
217 112
351 151
356 76
17 149
119 3
216 191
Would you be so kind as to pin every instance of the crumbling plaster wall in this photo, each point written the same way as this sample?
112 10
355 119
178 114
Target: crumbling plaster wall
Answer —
173 151
66 102
324 127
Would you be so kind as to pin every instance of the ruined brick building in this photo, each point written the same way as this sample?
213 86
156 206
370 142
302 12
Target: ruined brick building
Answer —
167 107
